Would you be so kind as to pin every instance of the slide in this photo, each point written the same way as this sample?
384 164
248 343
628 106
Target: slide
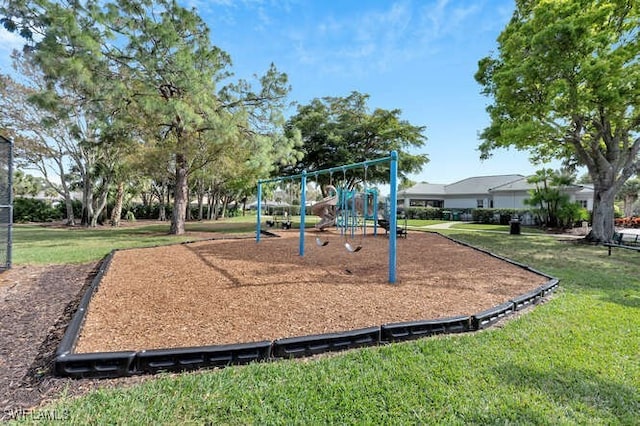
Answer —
325 209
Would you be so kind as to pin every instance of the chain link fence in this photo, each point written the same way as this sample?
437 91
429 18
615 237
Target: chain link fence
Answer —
6 202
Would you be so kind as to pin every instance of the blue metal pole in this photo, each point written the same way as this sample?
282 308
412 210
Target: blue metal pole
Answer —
303 208
259 207
393 204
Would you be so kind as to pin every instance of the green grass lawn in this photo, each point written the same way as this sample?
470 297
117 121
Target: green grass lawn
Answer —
574 359
496 228
34 244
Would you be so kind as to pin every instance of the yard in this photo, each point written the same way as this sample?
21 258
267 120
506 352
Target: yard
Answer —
573 359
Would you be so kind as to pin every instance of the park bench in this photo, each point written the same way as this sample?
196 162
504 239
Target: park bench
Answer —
625 241
384 224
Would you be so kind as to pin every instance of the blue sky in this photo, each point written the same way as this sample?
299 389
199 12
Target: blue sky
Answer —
417 56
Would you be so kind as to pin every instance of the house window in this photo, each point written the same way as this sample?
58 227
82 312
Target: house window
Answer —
583 203
425 203
480 203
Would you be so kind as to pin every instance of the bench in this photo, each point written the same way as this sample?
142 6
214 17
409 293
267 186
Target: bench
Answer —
625 241
384 224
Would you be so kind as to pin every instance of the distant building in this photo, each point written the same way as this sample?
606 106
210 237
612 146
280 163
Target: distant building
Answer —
499 192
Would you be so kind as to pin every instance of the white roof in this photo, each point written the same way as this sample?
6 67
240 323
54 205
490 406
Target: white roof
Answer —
480 184
424 188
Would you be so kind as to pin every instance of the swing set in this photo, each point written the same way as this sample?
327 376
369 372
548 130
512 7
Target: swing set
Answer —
345 208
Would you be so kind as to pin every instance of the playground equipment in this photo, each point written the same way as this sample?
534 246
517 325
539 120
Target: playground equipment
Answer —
325 209
348 224
281 212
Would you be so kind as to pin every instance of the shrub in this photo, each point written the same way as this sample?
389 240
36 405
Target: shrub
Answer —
495 216
424 213
32 210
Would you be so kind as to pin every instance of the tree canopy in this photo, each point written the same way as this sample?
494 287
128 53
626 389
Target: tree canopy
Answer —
148 74
565 83
342 130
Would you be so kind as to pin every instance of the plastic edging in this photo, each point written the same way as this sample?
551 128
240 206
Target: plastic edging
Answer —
527 299
411 330
181 359
550 287
486 318
99 364
295 347
70 337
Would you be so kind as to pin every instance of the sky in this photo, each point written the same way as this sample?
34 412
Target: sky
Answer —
418 56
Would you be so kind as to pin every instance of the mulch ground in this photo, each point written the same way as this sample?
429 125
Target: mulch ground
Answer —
216 292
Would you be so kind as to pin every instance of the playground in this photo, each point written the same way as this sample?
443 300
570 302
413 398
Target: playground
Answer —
231 291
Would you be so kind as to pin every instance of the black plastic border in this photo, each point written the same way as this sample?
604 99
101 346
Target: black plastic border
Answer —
295 347
71 334
193 358
489 317
126 363
412 330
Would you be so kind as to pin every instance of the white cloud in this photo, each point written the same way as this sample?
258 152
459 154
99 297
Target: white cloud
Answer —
9 41
357 43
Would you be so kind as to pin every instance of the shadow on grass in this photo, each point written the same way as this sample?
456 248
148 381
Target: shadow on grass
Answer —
581 391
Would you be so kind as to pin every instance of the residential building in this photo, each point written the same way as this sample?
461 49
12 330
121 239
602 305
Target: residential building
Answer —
500 192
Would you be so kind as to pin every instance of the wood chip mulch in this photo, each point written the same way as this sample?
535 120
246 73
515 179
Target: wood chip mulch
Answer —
224 292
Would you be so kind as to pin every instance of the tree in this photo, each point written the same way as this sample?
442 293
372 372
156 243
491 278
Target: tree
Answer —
565 84
629 193
26 185
150 65
337 131
549 198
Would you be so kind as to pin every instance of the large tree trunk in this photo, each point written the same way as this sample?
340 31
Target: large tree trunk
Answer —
629 200
602 226
162 209
117 208
180 197
200 197
87 203
68 201
100 203
71 219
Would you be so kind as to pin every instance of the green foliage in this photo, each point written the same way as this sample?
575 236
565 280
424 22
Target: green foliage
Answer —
25 184
549 200
33 210
564 84
423 213
496 216
147 75
342 130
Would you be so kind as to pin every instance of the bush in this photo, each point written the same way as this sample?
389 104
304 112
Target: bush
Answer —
141 211
424 213
32 210
497 216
